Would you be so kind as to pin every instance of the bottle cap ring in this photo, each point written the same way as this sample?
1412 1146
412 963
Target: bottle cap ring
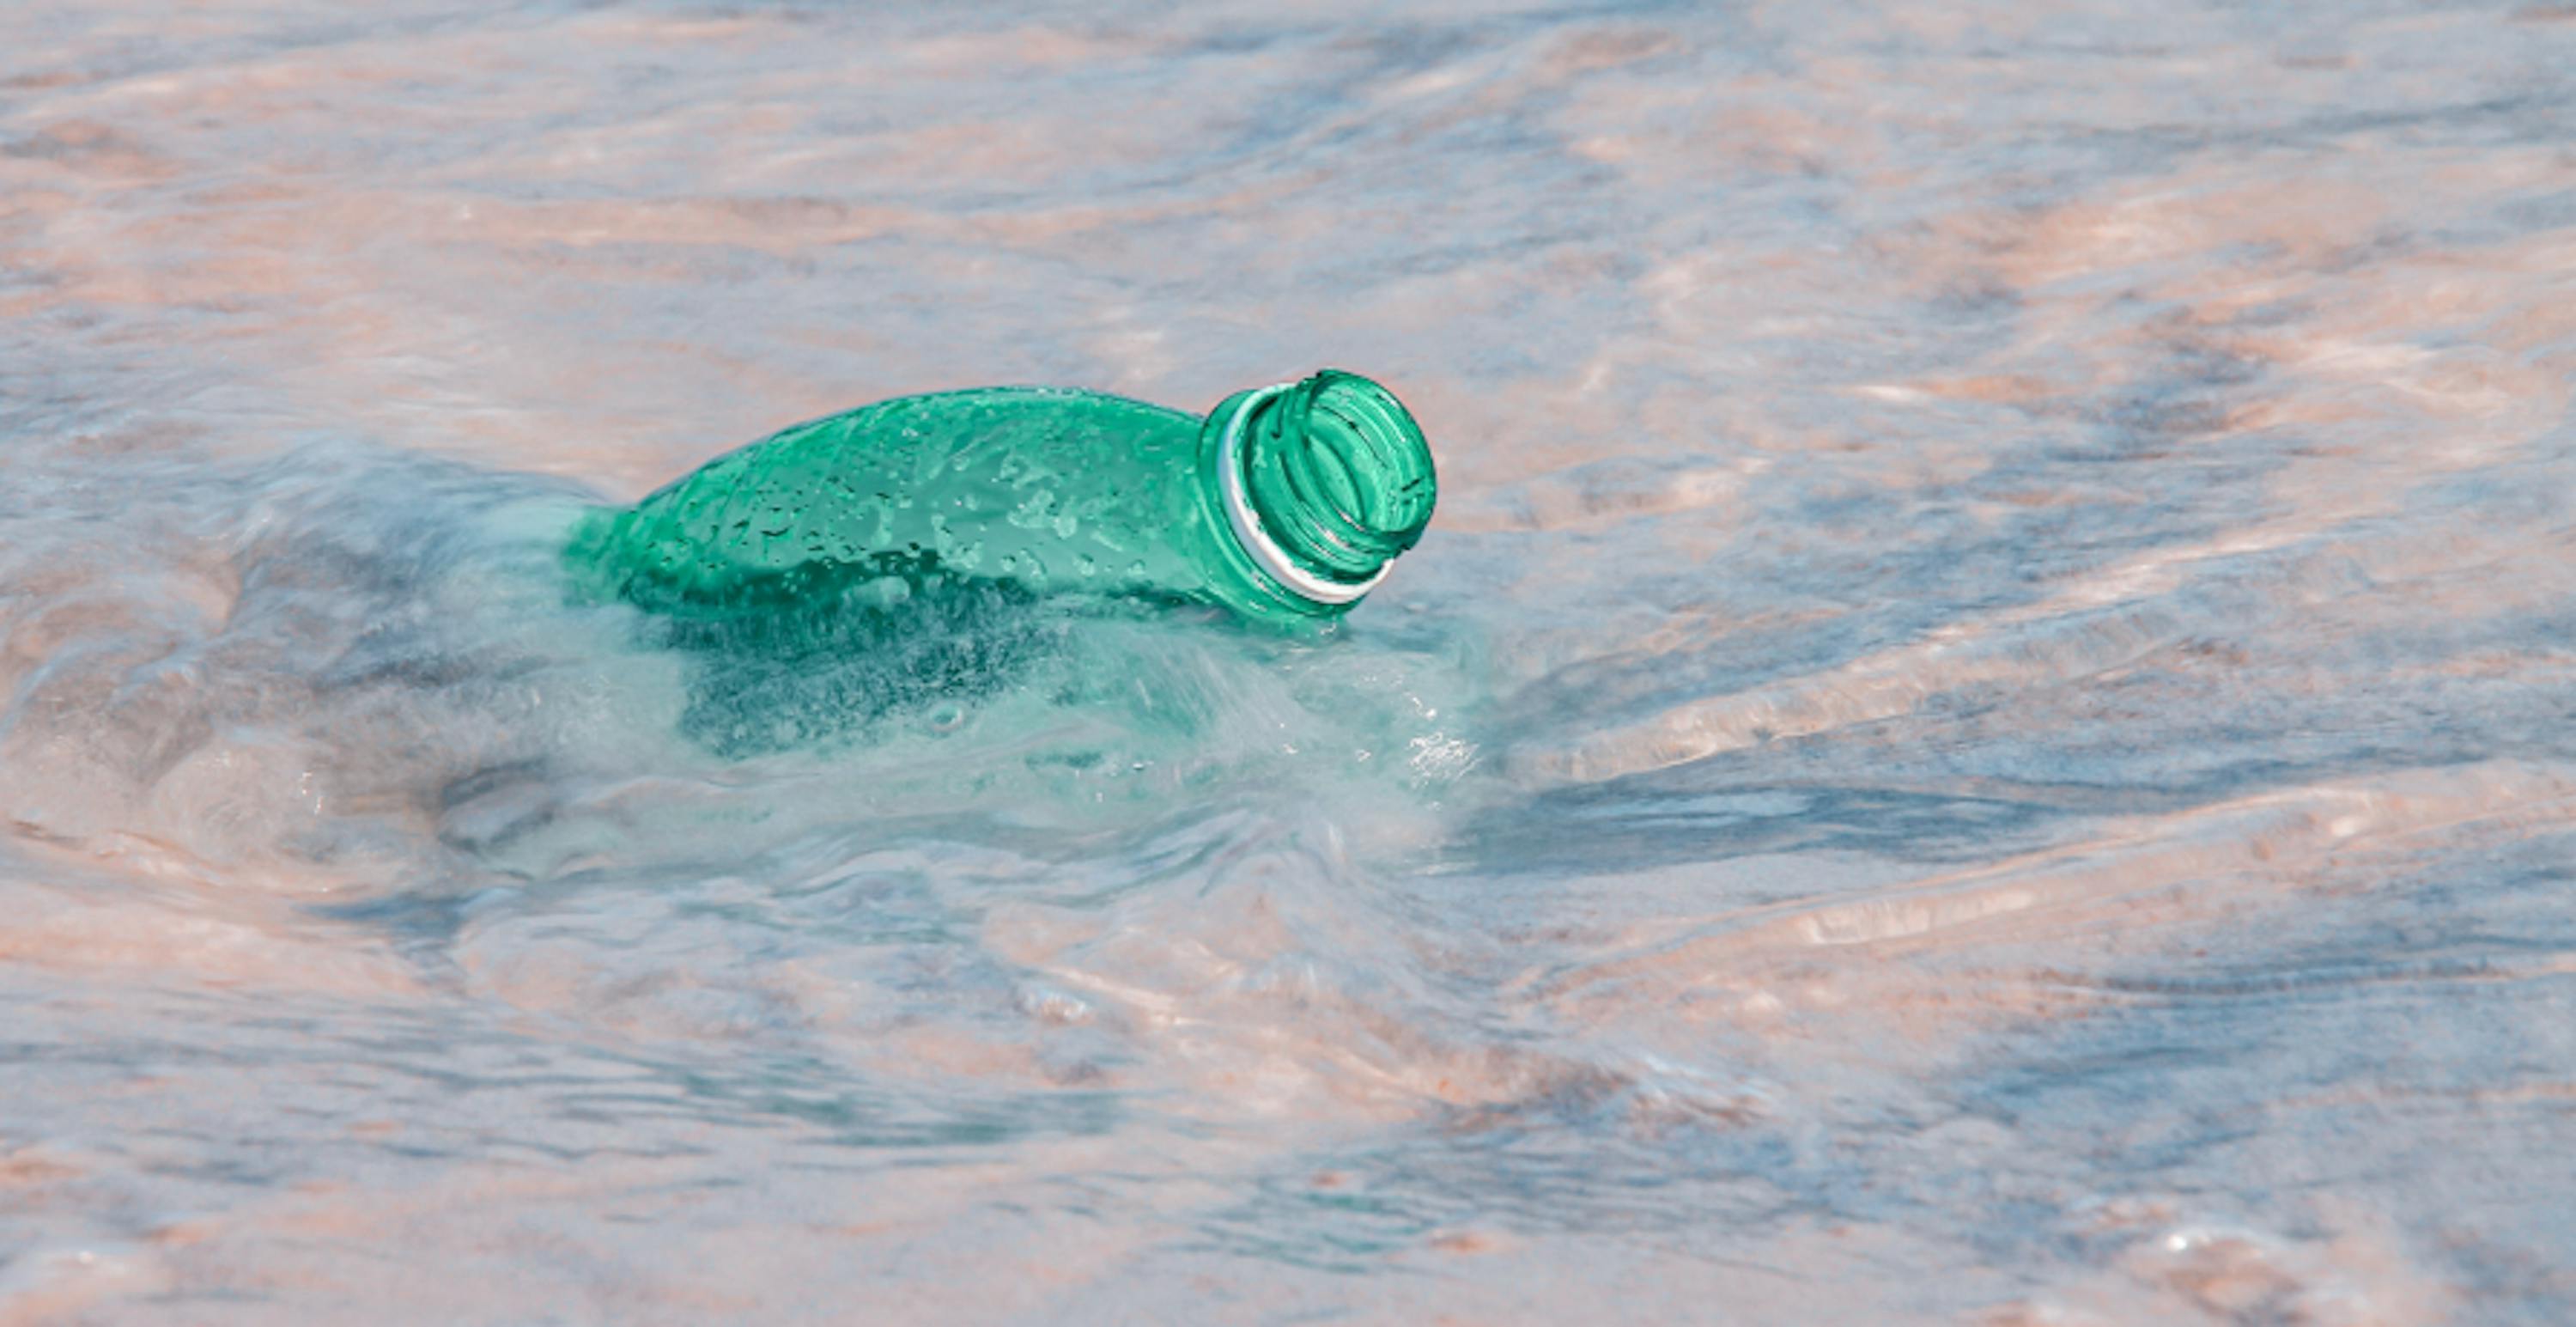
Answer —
1256 541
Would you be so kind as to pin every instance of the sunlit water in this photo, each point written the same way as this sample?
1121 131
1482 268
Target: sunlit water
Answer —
1986 732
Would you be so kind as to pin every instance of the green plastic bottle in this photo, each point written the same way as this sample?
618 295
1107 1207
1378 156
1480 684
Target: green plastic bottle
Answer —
1285 505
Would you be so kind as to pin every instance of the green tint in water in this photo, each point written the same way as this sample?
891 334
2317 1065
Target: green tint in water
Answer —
1283 505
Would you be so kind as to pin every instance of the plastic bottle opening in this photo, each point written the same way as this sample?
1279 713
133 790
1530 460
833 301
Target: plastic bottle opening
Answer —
1337 480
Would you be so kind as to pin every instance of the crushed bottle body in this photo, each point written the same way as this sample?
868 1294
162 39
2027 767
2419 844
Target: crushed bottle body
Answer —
1268 508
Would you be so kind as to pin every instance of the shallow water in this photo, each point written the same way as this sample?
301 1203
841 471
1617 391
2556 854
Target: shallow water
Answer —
1983 733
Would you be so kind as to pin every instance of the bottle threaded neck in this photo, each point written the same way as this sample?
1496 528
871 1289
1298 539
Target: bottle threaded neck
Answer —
1332 475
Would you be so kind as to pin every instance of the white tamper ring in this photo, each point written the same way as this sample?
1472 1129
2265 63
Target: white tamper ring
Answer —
1247 522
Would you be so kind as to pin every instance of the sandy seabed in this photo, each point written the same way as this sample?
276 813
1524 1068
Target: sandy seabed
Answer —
1983 734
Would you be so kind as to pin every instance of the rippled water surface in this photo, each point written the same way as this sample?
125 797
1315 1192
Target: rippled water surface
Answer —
1986 731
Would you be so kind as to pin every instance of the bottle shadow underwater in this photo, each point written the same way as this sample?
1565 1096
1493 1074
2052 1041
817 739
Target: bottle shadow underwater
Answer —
371 669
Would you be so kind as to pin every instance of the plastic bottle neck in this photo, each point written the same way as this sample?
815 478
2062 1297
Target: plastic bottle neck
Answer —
1324 482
